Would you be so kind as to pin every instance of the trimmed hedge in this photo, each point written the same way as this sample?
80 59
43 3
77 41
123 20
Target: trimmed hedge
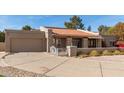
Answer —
116 52
94 53
106 53
103 53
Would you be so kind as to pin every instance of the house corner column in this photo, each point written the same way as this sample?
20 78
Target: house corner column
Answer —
85 42
82 43
49 38
99 43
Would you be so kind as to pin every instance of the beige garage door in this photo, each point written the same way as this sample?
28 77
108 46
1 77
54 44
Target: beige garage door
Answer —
28 45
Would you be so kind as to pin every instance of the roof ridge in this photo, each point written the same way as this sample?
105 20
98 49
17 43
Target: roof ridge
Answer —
58 28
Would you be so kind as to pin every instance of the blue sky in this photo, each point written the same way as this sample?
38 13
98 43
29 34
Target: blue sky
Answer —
17 21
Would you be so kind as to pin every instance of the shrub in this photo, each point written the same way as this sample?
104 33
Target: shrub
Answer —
106 53
121 50
2 36
116 52
122 53
94 53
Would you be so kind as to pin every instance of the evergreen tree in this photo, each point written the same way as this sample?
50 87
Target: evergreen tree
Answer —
2 36
26 27
75 23
89 28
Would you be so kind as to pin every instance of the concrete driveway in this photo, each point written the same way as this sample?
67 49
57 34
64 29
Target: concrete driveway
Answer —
50 65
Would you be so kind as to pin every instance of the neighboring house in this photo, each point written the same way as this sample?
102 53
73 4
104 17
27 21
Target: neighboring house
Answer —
46 37
120 44
109 41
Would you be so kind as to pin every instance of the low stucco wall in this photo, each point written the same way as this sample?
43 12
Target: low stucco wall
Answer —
58 51
87 50
2 46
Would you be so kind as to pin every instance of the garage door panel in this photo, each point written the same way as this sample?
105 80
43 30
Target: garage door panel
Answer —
27 45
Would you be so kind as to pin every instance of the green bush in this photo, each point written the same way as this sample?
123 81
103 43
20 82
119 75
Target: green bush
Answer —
2 36
94 53
106 53
116 52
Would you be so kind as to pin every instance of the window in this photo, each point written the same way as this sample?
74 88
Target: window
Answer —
61 43
92 43
112 43
77 42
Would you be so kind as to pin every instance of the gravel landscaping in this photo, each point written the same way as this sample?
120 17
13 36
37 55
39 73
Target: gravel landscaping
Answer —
14 72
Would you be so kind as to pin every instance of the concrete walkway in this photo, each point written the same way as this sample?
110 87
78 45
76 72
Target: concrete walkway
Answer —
105 66
49 65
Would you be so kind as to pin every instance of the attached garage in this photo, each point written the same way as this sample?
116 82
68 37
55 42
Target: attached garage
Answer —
27 45
25 41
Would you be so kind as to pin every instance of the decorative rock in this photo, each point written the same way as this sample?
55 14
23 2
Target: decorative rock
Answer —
14 72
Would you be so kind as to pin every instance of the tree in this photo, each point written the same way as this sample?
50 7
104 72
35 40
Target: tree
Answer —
2 36
75 23
26 27
117 30
89 28
103 30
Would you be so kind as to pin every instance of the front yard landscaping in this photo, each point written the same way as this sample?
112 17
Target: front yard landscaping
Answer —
103 53
15 72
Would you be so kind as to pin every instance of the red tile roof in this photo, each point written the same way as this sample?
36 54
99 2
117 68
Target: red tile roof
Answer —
69 32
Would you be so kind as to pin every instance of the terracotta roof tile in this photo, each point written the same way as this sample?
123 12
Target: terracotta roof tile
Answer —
70 32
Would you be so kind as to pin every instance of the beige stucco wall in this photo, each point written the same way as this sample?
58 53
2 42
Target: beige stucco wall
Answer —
87 50
85 43
99 44
108 39
21 36
49 38
2 46
71 51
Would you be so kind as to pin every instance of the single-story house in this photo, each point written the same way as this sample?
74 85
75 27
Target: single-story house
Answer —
42 39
